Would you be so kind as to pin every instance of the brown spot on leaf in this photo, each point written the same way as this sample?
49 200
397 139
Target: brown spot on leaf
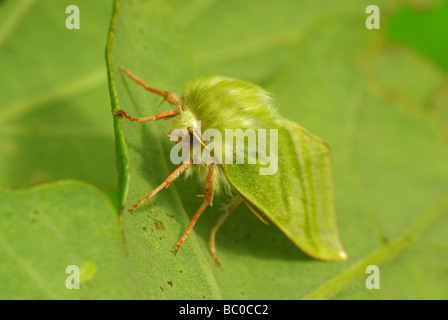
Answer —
39 178
34 129
159 225
170 283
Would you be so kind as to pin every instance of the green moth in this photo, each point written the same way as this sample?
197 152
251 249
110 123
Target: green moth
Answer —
297 196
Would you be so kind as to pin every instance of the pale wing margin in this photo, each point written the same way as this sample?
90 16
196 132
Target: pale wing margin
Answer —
299 198
314 158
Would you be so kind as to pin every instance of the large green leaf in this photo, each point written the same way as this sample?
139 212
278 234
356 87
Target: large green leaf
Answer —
40 236
55 123
342 82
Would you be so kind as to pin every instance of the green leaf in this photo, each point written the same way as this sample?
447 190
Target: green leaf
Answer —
55 123
152 231
338 80
40 236
411 27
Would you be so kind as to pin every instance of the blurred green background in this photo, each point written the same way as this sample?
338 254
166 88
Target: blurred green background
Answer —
379 97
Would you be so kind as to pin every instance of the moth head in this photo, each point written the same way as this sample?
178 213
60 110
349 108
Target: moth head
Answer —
184 120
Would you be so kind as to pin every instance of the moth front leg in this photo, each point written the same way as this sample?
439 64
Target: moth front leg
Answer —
165 184
161 115
167 95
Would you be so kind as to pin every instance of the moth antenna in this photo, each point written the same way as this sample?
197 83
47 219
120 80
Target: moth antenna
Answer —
164 184
169 136
214 159
254 212
200 140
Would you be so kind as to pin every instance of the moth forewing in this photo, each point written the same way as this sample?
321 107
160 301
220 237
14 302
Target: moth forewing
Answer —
299 197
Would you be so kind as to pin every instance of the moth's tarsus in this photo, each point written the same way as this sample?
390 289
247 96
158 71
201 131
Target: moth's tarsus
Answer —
227 211
254 211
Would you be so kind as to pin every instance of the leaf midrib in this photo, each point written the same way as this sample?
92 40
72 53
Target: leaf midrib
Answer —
10 23
65 90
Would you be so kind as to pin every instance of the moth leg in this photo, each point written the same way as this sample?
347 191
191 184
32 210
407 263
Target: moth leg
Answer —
161 115
208 198
254 211
164 184
227 211
167 95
